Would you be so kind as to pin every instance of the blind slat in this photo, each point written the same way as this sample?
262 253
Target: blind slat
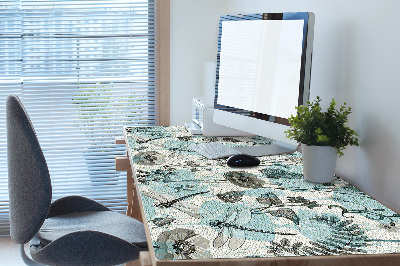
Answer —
83 70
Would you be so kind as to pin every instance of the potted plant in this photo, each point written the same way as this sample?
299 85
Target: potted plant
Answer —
323 135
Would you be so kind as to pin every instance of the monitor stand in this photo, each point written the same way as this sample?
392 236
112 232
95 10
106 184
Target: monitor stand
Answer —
275 148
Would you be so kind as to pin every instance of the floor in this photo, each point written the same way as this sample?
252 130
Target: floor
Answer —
9 253
10 256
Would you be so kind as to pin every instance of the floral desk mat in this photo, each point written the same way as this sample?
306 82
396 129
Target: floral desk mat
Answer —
198 208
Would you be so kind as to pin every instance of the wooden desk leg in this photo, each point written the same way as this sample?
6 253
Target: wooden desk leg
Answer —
144 260
129 192
133 200
133 263
133 209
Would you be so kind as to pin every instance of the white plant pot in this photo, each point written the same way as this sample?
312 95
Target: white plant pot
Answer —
319 163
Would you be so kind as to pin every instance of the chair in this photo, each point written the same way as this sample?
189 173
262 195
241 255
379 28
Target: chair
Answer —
70 231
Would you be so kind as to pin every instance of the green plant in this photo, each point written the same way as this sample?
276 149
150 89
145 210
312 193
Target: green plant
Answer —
312 126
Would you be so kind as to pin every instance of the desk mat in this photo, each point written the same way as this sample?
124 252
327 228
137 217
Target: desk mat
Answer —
198 208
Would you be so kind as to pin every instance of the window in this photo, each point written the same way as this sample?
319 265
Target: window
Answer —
83 69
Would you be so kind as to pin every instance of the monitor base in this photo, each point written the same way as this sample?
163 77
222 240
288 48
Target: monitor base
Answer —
275 148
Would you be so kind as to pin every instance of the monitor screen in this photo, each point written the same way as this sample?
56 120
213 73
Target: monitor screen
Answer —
260 63
263 71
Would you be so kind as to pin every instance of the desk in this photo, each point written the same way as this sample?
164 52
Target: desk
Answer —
200 212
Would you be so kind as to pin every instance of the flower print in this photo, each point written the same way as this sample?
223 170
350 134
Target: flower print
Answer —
284 246
181 243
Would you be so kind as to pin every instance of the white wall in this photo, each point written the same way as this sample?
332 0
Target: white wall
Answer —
194 41
356 59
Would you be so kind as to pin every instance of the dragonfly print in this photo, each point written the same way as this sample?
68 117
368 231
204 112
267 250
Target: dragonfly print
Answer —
170 203
235 226
231 228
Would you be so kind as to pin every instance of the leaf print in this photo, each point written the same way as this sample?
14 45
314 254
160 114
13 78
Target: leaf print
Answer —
244 179
148 158
269 199
303 202
285 213
280 172
330 234
162 221
231 196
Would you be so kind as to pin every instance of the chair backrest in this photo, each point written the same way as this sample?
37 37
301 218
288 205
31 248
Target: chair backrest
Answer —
29 183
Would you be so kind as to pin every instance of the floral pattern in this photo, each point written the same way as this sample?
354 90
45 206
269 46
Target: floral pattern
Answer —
198 208
181 243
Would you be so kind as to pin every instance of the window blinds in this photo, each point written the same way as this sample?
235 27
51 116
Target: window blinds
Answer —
83 69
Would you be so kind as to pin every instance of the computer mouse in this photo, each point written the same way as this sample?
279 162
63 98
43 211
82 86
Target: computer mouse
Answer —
242 160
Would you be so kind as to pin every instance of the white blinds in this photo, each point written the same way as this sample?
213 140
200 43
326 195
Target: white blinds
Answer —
83 69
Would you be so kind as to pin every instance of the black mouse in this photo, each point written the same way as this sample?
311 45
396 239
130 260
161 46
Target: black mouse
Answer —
242 160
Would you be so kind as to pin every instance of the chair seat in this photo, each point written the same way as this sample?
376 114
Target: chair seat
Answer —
107 222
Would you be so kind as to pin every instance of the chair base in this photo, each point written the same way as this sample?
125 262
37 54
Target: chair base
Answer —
26 259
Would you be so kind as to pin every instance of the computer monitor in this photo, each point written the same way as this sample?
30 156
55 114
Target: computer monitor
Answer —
263 73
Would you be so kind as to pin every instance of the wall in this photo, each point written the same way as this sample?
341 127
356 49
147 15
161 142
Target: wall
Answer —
355 60
194 41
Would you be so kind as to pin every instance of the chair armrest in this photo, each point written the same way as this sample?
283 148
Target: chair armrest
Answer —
72 204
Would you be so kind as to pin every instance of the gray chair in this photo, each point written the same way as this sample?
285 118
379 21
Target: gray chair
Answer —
70 231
